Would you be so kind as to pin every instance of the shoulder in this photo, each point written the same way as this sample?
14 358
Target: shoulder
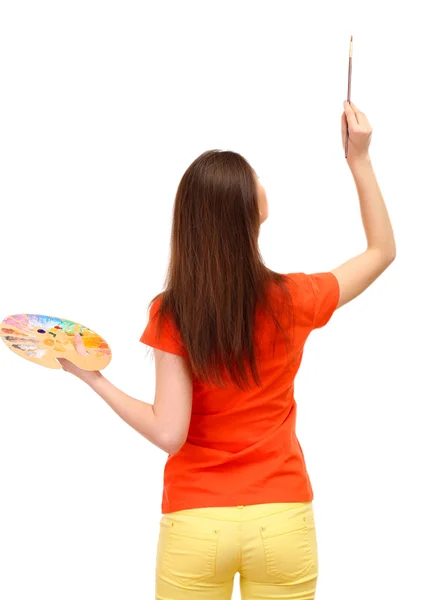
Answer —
302 296
155 305
300 287
162 333
318 292
157 315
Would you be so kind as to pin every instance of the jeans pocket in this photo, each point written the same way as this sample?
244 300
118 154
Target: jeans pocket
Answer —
190 554
288 548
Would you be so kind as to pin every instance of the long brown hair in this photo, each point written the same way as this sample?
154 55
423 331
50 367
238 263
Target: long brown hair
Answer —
216 277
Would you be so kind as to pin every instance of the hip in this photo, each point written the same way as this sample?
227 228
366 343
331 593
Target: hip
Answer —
272 544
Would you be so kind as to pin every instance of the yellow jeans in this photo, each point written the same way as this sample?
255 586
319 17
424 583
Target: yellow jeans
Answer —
272 546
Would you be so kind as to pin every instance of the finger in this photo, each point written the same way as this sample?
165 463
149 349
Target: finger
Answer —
359 115
64 363
343 124
350 115
363 121
79 344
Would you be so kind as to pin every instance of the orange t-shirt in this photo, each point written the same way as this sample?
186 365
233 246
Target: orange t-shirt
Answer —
242 446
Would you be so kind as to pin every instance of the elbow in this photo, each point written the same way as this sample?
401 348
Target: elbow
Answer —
385 255
391 255
392 251
171 443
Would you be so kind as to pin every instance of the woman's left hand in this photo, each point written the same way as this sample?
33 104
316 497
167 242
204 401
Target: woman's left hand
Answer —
69 367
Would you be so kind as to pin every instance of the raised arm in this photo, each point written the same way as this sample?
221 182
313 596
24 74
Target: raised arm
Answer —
356 274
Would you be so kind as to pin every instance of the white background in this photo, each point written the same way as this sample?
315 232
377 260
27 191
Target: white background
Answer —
103 105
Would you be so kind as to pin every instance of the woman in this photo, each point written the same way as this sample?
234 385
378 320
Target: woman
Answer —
228 336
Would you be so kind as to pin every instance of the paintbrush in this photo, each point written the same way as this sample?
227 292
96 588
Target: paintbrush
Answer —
346 145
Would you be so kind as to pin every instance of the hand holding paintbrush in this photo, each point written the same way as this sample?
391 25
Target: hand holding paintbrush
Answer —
349 82
355 128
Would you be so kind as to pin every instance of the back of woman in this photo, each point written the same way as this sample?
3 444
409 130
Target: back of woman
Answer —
241 445
228 337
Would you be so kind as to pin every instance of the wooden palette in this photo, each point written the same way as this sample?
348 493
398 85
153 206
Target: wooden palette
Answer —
42 339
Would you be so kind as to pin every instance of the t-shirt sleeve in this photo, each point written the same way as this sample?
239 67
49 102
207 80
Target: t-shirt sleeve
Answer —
168 339
326 292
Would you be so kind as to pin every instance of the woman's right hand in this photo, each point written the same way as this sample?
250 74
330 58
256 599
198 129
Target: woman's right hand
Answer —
360 132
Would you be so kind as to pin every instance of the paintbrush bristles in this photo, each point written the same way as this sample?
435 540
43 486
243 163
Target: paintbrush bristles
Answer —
350 46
